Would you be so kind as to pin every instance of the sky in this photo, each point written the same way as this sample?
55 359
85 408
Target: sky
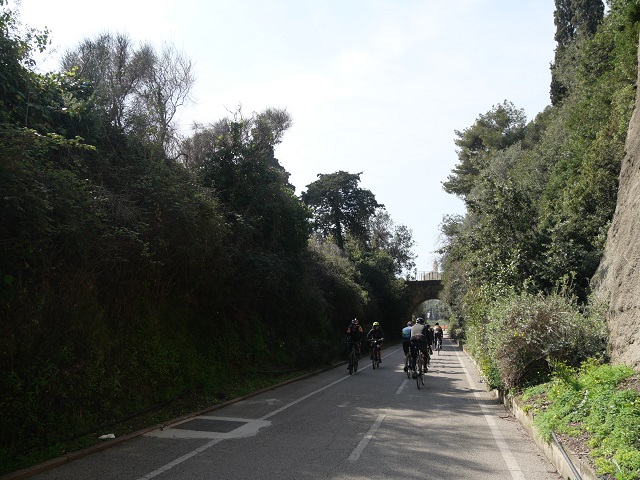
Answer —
372 86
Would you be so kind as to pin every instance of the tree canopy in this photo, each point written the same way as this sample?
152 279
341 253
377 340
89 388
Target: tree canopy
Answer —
339 205
576 21
500 127
139 89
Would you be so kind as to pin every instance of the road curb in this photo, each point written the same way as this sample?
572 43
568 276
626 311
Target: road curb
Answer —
555 453
70 457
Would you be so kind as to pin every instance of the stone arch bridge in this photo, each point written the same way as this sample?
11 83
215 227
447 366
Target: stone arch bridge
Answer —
426 286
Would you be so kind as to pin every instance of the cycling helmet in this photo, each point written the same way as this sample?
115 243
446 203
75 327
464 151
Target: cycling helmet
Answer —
409 324
354 321
376 324
436 324
420 321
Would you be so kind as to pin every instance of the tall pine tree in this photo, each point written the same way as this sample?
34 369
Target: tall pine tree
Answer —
574 20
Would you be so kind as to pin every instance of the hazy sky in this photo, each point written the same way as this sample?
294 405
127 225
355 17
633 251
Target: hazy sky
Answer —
373 86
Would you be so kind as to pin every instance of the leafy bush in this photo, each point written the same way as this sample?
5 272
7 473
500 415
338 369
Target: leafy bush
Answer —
528 335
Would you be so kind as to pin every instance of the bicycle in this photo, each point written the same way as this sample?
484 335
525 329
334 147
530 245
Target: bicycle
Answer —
420 369
352 357
375 352
407 364
438 345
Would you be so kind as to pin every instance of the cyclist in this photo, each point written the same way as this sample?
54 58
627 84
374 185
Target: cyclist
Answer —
430 335
421 339
406 342
354 334
376 333
437 333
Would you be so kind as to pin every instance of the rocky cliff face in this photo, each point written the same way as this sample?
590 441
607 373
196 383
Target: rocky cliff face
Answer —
618 278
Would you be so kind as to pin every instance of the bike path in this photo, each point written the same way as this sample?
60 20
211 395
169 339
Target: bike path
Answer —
373 424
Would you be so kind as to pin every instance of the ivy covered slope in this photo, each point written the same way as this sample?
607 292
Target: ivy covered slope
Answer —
138 266
595 411
540 197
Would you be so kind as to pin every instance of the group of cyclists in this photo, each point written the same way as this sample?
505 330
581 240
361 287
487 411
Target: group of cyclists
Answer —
355 333
415 337
420 337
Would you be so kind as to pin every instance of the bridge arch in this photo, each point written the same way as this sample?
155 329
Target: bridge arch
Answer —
428 287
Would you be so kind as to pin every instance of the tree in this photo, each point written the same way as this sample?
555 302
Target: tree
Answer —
166 88
235 158
340 206
17 81
575 21
394 239
263 130
139 89
500 127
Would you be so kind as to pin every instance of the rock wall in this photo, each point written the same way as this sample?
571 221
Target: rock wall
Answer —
618 277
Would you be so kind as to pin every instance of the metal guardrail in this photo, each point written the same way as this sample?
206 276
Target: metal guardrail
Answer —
423 276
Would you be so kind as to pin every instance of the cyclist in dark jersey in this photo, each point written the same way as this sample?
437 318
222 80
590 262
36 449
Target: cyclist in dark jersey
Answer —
376 333
354 335
437 333
421 339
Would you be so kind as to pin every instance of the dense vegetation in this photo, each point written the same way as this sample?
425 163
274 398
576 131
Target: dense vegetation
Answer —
138 266
540 196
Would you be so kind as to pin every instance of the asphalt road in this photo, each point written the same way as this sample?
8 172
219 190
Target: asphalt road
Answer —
374 424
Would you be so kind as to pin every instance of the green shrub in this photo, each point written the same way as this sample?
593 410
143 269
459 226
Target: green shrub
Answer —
455 328
528 335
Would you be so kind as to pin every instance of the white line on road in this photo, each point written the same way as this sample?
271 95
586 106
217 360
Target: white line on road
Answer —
208 445
290 404
179 460
355 455
401 387
507 456
275 412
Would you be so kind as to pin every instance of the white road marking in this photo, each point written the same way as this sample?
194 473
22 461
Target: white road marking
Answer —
291 404
275 412
402 385
210 444
507 456
179 460
355 455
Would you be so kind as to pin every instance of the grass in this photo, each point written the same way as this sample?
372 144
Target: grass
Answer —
594 409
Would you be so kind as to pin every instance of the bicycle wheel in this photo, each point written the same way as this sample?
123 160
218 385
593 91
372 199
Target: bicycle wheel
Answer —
373 359
355 362
352 357
419 370
407 363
